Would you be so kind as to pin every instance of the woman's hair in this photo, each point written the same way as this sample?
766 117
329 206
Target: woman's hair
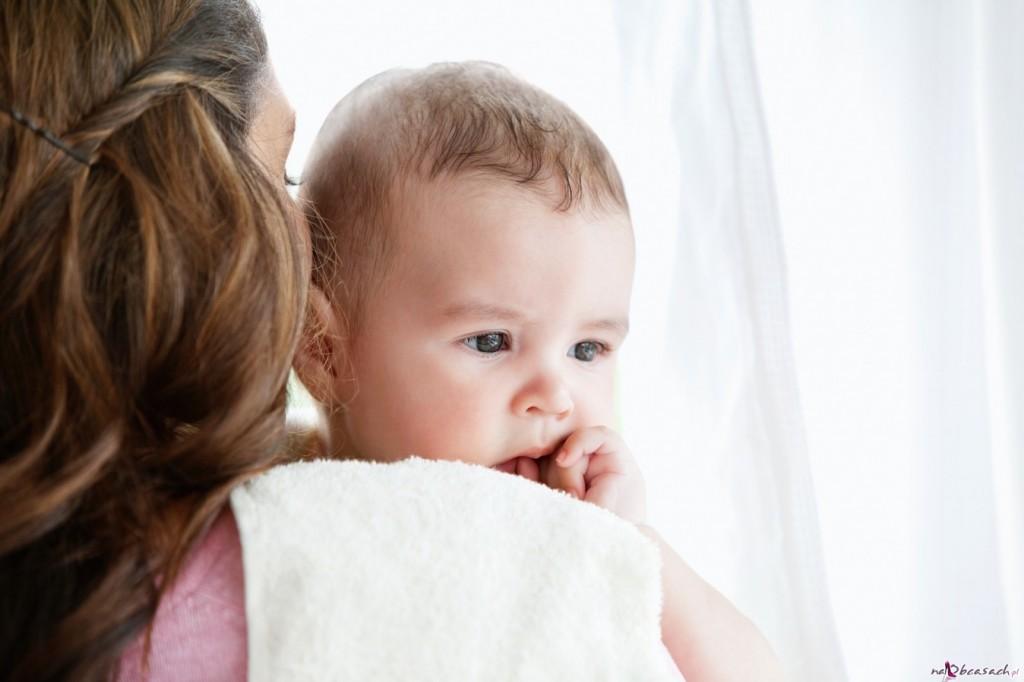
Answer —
151 292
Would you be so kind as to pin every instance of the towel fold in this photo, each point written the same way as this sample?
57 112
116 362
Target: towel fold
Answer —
425 570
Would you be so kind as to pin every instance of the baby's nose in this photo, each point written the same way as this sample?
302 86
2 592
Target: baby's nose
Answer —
546 395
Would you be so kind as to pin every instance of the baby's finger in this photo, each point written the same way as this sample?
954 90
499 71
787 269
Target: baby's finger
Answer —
614 481
584 442
614 462
567 479
613 491
527 468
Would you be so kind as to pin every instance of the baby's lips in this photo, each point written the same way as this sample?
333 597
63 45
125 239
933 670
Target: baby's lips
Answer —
520 466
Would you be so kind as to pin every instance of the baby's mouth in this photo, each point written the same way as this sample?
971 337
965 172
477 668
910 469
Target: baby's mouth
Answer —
512 465
520 466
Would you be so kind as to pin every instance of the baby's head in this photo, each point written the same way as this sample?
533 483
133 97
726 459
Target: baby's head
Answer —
473 269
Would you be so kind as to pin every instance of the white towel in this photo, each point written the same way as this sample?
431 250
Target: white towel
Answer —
424 570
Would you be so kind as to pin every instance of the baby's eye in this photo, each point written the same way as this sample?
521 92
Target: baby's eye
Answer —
291 181
587 351
491 342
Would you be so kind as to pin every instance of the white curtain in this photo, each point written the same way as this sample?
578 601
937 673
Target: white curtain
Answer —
999 82
822 381
709 388
899 156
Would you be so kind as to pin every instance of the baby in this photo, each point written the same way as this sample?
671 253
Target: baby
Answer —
472 277
479 280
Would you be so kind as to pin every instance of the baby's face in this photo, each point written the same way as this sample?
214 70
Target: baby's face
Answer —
495 333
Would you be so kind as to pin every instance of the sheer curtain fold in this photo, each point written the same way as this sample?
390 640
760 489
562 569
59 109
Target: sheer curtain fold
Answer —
722 305
900 165
998 97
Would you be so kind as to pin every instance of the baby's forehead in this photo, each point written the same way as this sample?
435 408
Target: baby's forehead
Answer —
425 210
483 225
471 186
415 192
496 251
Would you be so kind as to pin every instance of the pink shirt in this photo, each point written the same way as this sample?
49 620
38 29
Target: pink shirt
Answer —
199 633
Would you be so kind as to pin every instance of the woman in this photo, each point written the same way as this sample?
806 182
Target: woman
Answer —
152 283
143 366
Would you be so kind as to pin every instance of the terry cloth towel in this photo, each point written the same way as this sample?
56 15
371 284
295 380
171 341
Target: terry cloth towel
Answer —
426 570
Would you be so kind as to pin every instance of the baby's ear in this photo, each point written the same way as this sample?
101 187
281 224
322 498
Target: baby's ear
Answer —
321 360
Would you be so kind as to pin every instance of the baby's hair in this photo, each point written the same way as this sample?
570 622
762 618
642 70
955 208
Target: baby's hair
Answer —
447 120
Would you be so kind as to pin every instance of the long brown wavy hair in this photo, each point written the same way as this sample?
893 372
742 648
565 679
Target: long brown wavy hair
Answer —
152 284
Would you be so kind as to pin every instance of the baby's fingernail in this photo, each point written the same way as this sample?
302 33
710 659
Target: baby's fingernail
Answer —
561 457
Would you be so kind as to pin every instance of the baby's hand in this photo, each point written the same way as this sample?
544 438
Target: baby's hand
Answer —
595 465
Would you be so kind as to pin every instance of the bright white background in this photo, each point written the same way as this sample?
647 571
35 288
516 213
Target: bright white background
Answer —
822 382
897 143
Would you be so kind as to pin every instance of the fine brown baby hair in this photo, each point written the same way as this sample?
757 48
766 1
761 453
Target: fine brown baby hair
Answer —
446 120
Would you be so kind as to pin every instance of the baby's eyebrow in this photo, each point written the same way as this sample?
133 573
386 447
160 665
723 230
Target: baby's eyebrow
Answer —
477 309
618 325
490 311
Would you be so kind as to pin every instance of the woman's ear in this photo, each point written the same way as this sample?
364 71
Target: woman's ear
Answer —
321 361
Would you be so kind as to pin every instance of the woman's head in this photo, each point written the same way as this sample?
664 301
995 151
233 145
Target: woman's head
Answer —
152 282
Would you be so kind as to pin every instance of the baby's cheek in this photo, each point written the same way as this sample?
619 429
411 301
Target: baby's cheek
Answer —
596 408
455 430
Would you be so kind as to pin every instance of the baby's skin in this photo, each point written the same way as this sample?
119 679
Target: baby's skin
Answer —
593 465
492 340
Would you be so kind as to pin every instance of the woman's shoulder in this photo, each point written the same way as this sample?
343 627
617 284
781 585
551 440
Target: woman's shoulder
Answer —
200 631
